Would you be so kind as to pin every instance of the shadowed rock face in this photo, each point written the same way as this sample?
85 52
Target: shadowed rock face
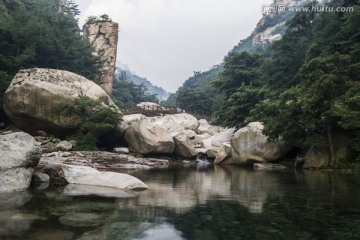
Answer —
104 37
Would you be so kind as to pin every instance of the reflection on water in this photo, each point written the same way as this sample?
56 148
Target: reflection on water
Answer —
205 203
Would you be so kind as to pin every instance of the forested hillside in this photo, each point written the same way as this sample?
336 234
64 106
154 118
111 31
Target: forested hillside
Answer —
45 34
126 94
270 28
303 87
152 89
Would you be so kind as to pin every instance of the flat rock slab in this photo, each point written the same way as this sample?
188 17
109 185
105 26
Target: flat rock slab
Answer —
102 160
89 176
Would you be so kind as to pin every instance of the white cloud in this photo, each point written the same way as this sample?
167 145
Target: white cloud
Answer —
166 40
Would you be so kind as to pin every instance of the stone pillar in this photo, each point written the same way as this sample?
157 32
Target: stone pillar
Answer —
104 37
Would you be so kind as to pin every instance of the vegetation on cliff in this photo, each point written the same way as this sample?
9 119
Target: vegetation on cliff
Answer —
304 87
126 94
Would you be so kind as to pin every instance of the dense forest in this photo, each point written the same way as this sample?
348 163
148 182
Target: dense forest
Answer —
126 94
304 87
44 34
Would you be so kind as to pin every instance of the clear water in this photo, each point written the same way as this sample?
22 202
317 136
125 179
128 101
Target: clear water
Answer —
188 203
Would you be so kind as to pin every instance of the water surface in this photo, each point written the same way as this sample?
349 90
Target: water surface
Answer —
189 203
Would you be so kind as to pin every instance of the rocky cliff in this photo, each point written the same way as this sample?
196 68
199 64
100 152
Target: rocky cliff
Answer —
103 35
271 26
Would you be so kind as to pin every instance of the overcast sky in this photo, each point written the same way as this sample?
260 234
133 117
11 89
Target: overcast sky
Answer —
166 40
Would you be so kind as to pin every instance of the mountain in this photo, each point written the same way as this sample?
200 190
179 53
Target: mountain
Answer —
269 29
271 26
161 94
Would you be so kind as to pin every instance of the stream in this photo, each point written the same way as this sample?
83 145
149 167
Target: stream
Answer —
205 203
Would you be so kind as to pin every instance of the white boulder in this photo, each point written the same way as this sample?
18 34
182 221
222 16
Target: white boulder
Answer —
35 96
250 145
145 137
90 176
19 155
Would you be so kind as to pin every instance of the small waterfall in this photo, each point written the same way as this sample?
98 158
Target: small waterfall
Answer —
202 162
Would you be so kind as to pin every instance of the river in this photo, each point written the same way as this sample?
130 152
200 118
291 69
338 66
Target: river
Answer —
205 203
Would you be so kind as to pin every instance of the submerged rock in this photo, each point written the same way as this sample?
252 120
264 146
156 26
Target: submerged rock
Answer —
79 219
268 166
19 155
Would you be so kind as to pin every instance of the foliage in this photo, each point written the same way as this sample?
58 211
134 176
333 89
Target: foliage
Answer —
98 19
85 142
96 120
197 94
44 34
304 87
127 94
159 92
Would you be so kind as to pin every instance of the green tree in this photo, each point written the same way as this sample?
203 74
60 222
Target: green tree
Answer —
127 94
96 120
44 34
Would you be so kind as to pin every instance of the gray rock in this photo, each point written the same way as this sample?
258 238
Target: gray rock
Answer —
48 147
41 134
19 155
131 118
183 146
40 178
223 153
205 127
64 146
319 157
177 122
67 154
222 137
189 133
122 150
90 176
103 36
268 166
145 137
78 219
250 145
49 89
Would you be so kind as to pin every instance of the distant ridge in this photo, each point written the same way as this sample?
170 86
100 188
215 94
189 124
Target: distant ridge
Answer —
161 94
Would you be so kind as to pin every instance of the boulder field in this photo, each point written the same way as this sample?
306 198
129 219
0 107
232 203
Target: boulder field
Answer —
35 96
185 136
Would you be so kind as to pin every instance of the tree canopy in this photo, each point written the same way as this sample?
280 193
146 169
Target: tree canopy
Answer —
44 34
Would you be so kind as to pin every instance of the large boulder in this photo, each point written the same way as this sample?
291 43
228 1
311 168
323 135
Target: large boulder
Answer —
35 96
223 154
212 144
250 145
62 173
222 137
177 122
19 155
205 127
146 137
184 147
